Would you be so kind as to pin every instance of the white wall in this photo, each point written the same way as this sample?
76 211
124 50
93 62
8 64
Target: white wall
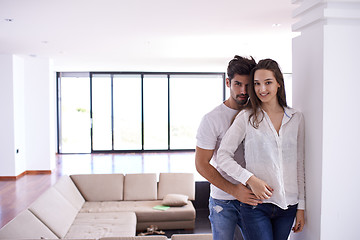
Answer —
7 137
52 115
19 114
27 115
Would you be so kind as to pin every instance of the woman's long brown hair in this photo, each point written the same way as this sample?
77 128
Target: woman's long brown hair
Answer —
271 65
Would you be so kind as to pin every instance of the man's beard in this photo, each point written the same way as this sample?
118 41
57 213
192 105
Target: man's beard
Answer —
242 102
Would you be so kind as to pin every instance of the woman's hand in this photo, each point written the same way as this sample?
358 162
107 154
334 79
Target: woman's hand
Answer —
260 188
300 221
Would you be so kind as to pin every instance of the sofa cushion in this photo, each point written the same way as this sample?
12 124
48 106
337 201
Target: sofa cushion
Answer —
111 206
160 237
54 211
26 226
143 209
145 212
68 189
180 183
175 200
141 186
100 187
97 225
205 236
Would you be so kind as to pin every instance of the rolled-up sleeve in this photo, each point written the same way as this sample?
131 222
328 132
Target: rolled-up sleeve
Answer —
230 142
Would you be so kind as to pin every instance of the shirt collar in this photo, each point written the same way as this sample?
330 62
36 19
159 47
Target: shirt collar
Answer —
289 112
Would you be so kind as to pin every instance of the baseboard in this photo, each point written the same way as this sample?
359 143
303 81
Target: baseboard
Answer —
28 172
38 172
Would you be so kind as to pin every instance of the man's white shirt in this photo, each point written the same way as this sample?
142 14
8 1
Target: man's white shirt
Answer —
212 128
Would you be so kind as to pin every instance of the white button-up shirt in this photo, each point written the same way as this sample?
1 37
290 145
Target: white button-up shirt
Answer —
277 159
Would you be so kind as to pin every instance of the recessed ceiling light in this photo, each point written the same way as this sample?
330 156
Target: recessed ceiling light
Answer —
9 19
276 25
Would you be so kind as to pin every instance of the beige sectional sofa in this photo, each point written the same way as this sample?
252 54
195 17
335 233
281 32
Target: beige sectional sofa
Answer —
95 206
207 236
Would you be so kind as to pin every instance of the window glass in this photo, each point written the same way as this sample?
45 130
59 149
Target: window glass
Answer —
75 125
127 112
191 97
101 112
155 112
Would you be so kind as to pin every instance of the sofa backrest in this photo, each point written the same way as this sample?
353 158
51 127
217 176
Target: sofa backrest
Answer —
141 186
68 189
179 183
55 211
100 187
26 226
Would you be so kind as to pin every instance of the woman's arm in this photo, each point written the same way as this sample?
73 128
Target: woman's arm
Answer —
300 214
239 191
301 163
229 143
225 158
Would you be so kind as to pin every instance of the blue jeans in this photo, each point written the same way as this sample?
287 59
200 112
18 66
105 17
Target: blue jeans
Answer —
266 221
224 218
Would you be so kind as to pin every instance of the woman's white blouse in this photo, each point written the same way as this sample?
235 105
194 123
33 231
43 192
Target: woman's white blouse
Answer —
277 159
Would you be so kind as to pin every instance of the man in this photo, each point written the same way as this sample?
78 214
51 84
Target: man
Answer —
225 192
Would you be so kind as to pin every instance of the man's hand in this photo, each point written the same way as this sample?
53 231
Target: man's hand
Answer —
245 195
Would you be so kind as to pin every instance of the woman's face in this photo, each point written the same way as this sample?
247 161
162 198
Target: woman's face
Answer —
266 86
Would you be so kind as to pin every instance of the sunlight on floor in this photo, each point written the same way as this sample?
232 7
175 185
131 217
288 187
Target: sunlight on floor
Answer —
128 163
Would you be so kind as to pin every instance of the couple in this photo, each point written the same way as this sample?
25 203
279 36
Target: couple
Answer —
257 159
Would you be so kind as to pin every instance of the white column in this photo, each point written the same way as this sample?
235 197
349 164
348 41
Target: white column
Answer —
39 102
325 87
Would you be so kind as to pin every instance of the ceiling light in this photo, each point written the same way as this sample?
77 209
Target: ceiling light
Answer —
9 19
276 25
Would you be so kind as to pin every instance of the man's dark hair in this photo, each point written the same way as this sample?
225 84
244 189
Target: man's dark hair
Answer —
240 65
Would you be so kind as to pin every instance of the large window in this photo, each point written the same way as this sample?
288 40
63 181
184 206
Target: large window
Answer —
111 112
191 96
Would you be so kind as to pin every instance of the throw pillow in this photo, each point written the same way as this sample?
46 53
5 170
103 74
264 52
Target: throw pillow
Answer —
175 200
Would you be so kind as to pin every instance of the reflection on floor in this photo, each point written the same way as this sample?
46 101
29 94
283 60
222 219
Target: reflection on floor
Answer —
15 196
128 163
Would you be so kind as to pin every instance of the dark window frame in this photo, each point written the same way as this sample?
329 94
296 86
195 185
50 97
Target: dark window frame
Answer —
59 75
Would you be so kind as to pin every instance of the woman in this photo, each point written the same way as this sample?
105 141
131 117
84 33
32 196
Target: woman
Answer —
273 137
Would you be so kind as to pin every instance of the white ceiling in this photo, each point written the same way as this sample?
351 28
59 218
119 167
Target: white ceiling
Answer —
144 35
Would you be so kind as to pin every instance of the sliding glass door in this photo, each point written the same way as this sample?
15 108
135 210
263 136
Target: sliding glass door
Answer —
116 112
155 108
74 112
110 112
127 112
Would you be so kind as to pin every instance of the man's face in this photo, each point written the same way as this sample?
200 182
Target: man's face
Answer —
238 88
